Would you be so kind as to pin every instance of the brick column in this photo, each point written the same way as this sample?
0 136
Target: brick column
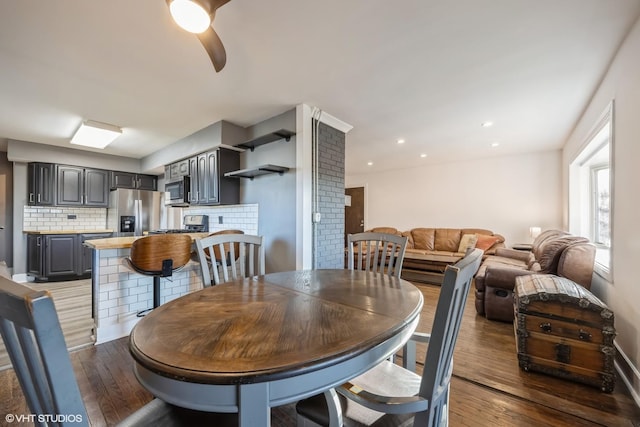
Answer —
330 230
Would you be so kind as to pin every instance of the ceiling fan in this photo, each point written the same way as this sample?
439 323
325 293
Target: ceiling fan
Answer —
196 16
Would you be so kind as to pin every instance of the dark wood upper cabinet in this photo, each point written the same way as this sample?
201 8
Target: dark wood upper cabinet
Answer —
70 180
133 181
41 181
96 187
147 182
209 186
77 186
123 180
176 170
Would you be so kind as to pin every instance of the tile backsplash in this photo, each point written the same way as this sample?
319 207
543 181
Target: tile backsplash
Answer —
39 218
234 217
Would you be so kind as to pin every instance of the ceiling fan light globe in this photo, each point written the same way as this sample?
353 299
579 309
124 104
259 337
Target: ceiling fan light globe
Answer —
190 16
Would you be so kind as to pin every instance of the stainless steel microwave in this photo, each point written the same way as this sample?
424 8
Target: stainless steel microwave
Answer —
178 192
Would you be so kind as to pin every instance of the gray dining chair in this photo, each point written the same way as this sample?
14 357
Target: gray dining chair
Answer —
225 257
393 395
377 252
31 332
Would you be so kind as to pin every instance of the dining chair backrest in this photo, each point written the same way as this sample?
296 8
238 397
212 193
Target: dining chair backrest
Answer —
32 335
216 250
33 338
377 252
389 394
240 256
438 364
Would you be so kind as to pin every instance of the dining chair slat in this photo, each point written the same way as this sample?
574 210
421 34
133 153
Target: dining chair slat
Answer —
235 256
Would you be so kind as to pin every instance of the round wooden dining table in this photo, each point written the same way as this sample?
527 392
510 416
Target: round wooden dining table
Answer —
253 344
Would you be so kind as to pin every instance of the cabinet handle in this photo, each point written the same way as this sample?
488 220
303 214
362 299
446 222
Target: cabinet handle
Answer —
39 198
31 197
38 241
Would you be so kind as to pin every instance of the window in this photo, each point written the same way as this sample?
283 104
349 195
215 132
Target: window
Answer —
591 191
602 207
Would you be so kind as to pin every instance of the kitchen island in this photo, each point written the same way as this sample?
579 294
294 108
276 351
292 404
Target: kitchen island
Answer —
118 292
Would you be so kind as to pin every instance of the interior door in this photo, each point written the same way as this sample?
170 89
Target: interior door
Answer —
354 214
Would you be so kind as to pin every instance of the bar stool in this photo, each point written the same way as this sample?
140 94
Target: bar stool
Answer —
159 255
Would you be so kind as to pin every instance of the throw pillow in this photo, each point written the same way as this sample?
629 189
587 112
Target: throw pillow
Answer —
485 242
467 241
550 252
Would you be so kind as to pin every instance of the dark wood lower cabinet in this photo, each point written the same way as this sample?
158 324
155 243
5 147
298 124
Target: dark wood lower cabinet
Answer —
54 257
86 254
60 256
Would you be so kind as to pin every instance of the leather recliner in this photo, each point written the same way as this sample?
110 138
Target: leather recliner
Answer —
553 252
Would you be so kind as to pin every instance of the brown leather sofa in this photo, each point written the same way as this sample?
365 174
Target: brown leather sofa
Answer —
430 250
553 252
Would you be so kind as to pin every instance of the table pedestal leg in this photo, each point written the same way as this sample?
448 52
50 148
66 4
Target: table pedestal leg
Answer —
254 407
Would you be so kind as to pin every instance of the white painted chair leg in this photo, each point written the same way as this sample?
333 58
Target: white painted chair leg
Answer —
335 411
305 422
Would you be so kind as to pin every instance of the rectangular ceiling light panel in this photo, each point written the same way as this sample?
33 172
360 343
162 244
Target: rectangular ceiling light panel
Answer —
95 134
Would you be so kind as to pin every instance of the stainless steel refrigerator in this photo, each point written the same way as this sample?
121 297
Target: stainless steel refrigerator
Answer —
132 212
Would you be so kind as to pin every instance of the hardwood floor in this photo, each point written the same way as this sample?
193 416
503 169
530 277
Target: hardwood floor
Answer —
73 304
488 387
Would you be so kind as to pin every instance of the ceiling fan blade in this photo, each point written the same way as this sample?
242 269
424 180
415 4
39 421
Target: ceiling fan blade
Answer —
214 4
215 49
211 4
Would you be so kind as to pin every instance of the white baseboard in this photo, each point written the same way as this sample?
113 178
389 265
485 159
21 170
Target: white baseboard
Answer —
21 278
628 373
115 331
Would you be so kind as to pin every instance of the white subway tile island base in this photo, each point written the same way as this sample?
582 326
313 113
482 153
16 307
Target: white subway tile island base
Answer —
119 292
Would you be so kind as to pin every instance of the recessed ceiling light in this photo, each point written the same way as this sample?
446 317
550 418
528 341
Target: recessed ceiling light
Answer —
486 124
423 155
495 144
369 163
401 141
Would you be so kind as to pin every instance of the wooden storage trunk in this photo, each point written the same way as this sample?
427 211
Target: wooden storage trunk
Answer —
562 329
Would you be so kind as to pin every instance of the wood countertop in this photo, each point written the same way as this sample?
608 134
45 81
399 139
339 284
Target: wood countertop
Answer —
92 231
126 242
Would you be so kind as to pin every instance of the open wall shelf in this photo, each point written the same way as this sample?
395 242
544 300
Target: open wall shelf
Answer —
266 139
257 171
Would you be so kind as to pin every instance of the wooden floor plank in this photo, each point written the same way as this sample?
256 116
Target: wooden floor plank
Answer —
488 387
72 300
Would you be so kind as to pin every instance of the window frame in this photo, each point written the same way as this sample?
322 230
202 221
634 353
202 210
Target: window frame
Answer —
580 174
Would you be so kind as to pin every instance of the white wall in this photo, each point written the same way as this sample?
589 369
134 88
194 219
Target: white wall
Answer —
504 194
622 84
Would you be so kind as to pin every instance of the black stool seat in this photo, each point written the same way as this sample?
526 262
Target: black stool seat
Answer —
159 255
